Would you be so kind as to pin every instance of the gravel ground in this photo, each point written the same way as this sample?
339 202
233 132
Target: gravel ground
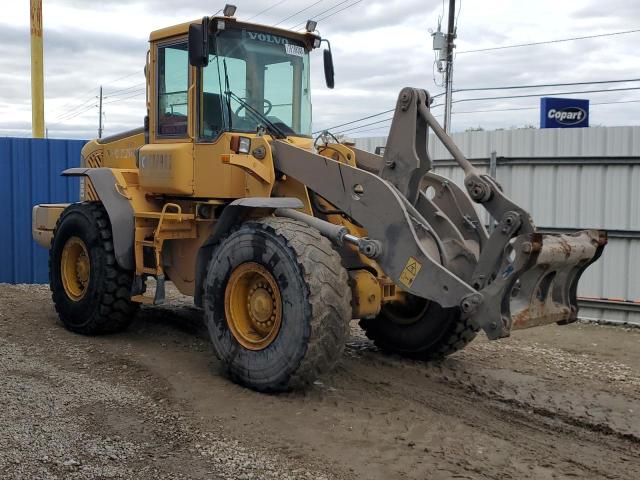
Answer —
551 402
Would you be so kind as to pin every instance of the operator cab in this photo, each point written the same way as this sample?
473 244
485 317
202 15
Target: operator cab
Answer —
245 78
213 82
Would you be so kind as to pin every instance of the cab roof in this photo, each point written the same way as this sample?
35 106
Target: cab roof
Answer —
183 28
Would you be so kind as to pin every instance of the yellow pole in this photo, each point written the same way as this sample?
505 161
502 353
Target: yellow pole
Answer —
37 75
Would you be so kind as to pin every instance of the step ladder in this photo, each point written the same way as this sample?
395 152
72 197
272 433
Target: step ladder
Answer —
149 241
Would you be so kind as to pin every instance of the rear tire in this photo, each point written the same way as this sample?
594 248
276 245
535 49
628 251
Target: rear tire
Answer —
311 304
419 329
95 296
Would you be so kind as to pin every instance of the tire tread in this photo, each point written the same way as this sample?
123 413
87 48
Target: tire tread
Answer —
115 309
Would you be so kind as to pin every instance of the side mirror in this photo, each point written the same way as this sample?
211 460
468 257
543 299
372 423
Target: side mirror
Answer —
328 67
199 43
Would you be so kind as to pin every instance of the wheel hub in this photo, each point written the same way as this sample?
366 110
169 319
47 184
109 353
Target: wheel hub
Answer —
75 268
253 306
261 304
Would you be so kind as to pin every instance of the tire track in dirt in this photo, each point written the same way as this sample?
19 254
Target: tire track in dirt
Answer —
603 412
466 398
525 407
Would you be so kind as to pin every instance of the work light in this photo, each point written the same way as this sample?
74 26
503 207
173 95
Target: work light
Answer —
229 10
240 144
311 26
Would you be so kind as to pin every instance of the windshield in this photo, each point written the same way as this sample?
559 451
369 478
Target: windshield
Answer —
253 75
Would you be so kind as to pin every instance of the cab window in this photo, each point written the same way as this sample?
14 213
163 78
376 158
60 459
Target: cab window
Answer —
173 84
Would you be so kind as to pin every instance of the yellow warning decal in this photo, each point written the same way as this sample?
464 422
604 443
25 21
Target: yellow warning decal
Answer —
410 272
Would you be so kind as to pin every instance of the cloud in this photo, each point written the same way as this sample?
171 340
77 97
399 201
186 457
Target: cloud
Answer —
623 12
379 47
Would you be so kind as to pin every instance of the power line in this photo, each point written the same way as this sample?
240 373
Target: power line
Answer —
64 120
73 100
120 78
536 108
124 94
368 130
77 114
543 85
546 42
378 121
380 127
338 11
75 109
126 98
81 106
355 121
266 9
493 98
365 125
316 15
82 103
613 103
72 115
298 12
546 94
125 90
371 116
493 110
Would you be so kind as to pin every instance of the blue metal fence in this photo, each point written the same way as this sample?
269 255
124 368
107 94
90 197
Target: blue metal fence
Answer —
30 174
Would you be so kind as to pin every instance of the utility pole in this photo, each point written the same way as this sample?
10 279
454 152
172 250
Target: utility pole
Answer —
451 36
100 115
37 74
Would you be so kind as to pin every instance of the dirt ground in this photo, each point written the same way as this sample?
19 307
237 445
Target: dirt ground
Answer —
152 403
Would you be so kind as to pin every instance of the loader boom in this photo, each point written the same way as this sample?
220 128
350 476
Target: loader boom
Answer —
515 278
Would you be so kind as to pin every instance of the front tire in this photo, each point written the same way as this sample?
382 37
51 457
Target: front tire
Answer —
91 292
278 304
419 329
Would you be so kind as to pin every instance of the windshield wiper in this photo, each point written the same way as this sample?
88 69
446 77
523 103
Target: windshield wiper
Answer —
269 125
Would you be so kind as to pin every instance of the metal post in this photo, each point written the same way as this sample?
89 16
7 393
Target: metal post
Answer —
100 115
493 171
37 74
449 67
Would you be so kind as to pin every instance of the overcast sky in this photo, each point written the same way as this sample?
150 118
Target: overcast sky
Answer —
379 47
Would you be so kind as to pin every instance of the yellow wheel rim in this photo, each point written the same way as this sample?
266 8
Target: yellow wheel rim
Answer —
253 306
75 268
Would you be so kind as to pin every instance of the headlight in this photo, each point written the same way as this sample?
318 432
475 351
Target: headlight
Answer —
240 144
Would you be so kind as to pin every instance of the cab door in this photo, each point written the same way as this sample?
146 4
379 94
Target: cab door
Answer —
166 163
212 143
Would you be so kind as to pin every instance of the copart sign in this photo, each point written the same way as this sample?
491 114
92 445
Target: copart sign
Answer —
563 113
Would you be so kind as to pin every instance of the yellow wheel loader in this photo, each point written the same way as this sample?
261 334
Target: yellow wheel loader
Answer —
283 240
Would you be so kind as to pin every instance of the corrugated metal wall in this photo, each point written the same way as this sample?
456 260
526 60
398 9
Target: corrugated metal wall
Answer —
594 141
30 174
569 179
